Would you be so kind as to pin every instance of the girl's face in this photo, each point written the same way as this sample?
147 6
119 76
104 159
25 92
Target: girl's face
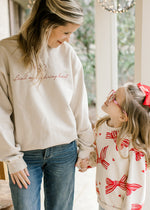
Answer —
61 34
112 106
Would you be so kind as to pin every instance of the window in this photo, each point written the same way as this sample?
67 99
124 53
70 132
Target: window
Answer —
126 46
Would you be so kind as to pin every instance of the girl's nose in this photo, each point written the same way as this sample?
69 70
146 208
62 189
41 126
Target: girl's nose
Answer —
109 99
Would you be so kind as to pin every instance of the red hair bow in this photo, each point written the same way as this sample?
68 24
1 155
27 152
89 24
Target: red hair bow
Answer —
146 90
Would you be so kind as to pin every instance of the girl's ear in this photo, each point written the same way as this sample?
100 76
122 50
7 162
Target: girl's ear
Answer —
123 117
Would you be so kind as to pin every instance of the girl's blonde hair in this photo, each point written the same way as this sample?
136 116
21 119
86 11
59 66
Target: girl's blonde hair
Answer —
45 15
138 123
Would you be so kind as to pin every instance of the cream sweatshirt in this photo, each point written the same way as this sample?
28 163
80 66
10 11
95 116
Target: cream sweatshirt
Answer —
120 182
40 116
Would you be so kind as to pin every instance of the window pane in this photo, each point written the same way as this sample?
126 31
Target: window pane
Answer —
126 47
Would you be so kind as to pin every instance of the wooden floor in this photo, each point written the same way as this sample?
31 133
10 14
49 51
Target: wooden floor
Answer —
5 196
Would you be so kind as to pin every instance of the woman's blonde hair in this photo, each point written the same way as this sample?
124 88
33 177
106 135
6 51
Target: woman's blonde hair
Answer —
45 15
138 123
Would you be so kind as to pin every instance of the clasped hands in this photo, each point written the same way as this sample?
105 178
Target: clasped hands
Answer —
82 164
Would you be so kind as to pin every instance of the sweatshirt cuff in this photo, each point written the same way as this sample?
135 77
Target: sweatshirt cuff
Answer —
16 165
85 153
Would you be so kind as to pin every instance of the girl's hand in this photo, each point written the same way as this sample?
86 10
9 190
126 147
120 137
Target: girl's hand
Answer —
21 178
82 164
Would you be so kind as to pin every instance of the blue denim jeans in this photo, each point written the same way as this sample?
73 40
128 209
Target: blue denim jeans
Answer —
57 167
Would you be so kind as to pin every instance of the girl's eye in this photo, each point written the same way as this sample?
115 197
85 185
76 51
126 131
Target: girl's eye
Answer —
66 33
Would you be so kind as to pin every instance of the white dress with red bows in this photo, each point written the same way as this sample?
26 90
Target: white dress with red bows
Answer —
120 182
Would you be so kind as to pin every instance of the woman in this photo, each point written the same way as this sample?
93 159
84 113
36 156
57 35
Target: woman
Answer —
43 107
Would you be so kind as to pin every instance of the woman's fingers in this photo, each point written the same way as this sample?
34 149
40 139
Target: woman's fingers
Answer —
16 177
78 162
12 178
21 178
82 164
26 171
24 177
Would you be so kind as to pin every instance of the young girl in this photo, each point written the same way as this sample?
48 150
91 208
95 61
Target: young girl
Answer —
123 148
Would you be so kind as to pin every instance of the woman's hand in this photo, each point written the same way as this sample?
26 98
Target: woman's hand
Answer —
21 178
82 164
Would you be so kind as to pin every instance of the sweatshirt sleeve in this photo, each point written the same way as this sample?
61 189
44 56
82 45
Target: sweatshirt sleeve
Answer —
94 154
9 150
79 105
136 181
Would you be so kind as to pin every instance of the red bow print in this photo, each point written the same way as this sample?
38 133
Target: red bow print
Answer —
97 189
145 165
124 143
113 135
138 154
111 185
132 187
146 90
136 207
102 157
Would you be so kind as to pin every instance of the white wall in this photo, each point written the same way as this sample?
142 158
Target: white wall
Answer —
4 19
142 58
142 42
